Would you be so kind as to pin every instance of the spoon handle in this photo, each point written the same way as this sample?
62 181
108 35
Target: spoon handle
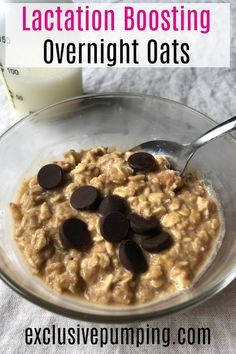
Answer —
213 133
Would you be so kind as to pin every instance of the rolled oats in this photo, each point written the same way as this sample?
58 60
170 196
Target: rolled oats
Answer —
183 206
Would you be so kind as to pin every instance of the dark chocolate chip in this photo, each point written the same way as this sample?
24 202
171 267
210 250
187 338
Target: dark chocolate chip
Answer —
132 257
112 203
75 234
157 243
178 189
143 226
142 162
50 176
85 198
114 227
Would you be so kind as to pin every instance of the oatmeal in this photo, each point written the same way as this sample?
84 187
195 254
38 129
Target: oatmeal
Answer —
115 227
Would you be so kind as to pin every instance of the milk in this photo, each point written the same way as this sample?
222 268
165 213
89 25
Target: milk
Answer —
30 89
34 88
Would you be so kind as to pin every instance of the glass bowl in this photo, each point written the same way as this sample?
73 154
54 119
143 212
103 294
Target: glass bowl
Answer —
122 120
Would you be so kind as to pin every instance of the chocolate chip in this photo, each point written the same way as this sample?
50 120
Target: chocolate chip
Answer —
143 226
85 198
50 176
74 234
112 203
114 227
142 162
157 243
131 257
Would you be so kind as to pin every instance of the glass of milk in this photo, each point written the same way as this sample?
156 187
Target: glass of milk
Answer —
33 88
30 89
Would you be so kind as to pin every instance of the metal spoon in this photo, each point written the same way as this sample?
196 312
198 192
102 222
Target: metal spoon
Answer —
180 154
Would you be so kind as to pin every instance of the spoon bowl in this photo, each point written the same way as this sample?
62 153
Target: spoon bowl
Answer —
179 155
175 152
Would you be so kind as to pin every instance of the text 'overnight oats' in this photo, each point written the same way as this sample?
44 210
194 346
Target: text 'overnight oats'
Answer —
115 227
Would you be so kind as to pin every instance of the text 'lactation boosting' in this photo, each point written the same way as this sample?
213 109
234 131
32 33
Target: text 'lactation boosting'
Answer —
82 18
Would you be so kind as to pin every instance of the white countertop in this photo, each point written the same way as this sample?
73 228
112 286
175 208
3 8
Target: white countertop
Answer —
212 91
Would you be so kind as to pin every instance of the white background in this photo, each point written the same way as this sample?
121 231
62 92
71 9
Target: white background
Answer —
206 50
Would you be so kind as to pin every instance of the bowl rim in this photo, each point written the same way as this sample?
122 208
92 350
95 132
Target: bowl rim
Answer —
110 319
